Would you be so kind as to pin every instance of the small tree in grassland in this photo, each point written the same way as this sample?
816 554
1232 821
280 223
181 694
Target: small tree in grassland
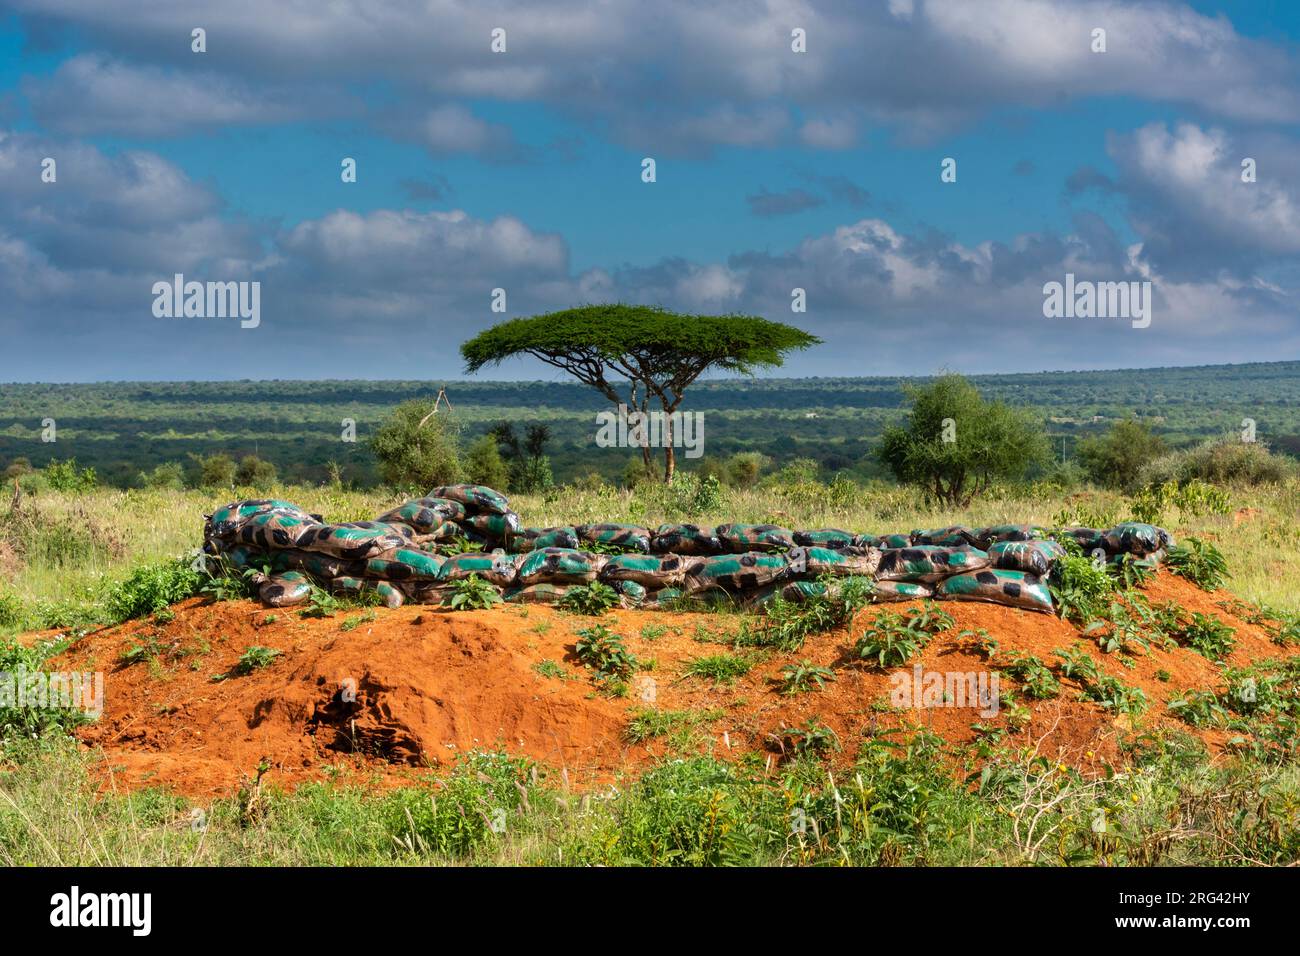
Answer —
653 353
955 444
416 447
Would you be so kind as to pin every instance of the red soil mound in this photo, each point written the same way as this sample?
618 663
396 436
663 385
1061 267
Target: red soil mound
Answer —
417 686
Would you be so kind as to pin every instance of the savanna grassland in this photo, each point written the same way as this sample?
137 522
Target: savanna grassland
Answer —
1192 777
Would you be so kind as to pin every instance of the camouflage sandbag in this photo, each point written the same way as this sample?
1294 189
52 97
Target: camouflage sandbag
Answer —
665 598
498 527
890 541
1150 561
685 539
832 538
868 541
742 538
285 589
532 539
954 536
428 592
226 520
1134 537
389 594
629 537
270 530
1088 539
243 556
495 567
536 594
859 562
405 564
987 537
888 591
928 563
650 570
427 515
1036 557
796 592
322 566
736 572
1013 588
559 566
356 541
630 593
477 498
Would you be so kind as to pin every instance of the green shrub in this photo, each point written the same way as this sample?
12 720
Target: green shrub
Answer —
66 476
151 588
1080 588
473 594
1200 562
604 652
591 599
1208 636
1222 461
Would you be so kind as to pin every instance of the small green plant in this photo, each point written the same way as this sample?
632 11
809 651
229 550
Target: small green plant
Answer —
1114 694
1208 636
813 737
1200 708
1121 631
1129 571
787 624
1035 677
352 623
1078 664
604 652
321 604
649 723
252 659
800 677
1200 562
550 668
1080 588
473 594
894 638
652 632
151 588
720 668
591 599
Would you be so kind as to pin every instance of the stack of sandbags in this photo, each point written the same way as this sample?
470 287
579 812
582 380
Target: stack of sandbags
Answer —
417 551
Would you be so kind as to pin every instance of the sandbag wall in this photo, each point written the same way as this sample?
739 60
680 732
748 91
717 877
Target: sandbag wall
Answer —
418 551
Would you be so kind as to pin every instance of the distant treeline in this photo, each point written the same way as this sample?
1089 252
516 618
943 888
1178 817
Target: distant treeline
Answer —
124 429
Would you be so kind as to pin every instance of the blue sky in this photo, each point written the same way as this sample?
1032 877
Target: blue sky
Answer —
521 170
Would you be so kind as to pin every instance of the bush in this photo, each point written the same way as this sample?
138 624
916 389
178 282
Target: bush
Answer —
66 476
215 471
744 468
955 444
1200 562
11 610
168 476
485 466
253 472
1116 458
1223 461
417 448
151 588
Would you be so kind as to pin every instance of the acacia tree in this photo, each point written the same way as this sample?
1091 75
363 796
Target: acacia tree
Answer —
653 353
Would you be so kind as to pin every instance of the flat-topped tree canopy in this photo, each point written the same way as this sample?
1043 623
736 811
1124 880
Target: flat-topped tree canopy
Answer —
660 350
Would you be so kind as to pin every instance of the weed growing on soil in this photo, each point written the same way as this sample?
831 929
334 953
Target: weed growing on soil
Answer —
893 639
787 624
1035 677
604 652
151 588
1200 562
473 594
592 599
1200 708
799 678
249 661
812 737
1080 588
1208 636
720 668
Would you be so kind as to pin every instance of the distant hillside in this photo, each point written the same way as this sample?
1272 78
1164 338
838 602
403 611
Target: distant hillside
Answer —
124 427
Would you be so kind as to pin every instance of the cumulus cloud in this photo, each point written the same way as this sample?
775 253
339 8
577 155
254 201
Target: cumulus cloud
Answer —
864 64
91 94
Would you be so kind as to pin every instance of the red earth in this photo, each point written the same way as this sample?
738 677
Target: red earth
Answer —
431 684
